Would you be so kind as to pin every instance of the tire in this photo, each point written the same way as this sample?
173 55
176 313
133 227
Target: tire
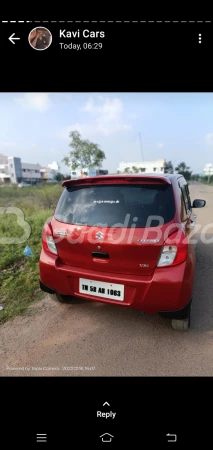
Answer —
61 298
66 299
182 324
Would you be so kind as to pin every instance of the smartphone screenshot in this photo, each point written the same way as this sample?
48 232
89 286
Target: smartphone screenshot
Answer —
106 232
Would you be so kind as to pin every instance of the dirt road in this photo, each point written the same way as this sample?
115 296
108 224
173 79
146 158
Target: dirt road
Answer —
91 339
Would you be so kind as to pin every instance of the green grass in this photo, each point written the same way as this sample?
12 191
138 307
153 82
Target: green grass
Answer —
206 182
19 275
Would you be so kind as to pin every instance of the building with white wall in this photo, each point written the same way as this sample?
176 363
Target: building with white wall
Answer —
31 173
78 173
54 166
74 174
14 169
4 173
145 166
208 169
48 173
10 169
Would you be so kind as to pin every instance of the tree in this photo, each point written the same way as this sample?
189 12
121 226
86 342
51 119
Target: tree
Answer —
187 175
59 177
85 154
168 168
67 177
135 169
196 177
183 169
127 170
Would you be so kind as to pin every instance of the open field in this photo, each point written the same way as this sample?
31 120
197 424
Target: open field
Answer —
19 274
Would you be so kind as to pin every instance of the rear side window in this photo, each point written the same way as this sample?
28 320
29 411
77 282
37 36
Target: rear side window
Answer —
186 198
113 205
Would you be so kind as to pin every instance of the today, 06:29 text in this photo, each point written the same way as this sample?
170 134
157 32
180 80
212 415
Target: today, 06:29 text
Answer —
84 46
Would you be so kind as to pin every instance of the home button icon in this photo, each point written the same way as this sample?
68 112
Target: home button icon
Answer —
106 437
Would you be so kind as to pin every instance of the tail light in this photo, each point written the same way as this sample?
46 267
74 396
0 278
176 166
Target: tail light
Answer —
48 240
174 251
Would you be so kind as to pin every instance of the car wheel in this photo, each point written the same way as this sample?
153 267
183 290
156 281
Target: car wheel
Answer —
181 325
61 298
66 298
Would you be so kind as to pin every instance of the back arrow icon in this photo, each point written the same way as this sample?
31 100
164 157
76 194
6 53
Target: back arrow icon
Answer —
12 38
173 437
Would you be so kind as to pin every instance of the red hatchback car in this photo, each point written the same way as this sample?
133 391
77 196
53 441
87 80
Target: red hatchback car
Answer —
123 240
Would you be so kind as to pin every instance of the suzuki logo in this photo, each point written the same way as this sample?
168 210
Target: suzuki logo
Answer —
99 235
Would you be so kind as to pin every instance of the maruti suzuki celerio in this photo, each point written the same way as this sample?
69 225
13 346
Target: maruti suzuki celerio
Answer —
124 240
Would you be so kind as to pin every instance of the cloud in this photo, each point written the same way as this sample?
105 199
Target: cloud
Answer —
36 101
84 129
160 145
107 117
89 106
134 116
208 139
7 144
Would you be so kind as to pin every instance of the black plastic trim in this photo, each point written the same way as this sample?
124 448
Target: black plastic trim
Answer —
46 288
179 314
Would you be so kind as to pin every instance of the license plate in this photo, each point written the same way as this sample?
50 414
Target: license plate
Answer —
101 289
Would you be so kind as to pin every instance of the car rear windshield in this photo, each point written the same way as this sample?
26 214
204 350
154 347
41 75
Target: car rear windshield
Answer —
147 205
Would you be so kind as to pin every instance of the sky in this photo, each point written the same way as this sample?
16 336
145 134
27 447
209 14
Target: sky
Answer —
173 126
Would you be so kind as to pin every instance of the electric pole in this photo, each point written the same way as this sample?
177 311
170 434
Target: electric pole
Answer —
209 175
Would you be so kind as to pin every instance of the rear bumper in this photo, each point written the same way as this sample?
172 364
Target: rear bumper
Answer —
168 289
179 314
45 288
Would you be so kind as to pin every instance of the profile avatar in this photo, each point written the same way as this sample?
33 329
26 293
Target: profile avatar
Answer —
40 38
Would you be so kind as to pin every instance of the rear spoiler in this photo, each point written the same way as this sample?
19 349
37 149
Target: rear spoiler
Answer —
107 179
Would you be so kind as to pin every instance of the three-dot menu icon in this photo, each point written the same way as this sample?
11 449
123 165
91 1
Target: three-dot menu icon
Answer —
41 438
199 38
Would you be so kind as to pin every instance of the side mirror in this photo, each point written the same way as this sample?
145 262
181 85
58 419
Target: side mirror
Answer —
198 203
